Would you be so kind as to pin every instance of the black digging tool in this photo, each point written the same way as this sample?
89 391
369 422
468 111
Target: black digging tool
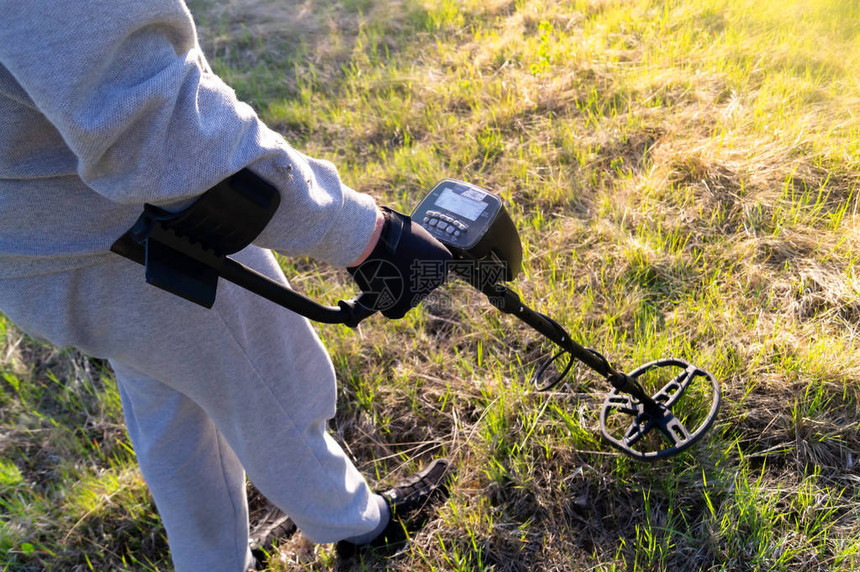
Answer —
185 253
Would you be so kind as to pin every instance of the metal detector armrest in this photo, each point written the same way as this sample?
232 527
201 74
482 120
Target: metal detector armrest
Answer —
186 252
183 250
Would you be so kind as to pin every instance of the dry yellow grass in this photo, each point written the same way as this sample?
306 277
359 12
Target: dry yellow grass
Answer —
684 176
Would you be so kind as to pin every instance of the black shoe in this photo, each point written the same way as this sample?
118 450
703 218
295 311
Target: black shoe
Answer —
273 525
409 503
408 498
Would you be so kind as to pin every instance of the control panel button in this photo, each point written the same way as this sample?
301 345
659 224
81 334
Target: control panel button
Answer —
444 223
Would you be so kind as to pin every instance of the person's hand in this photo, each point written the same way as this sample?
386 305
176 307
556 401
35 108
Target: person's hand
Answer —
404 267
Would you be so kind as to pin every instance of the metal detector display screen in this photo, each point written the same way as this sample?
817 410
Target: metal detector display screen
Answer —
457 203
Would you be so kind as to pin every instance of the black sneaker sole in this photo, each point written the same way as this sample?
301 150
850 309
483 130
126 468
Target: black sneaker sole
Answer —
408 498
426 488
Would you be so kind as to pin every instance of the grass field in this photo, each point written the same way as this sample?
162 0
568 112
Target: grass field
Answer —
684 176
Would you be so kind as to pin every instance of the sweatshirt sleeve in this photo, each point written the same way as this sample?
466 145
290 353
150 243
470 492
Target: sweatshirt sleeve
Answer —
127 87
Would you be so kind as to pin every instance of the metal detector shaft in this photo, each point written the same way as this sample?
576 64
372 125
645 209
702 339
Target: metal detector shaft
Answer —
348 312
509 302
208 266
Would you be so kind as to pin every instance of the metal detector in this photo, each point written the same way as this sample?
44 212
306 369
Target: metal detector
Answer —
186 254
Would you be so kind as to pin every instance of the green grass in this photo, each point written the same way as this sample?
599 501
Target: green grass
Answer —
684 177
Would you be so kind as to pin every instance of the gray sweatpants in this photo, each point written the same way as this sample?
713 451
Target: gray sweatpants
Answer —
207 395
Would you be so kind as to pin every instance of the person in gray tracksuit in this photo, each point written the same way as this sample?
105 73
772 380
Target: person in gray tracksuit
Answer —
105 106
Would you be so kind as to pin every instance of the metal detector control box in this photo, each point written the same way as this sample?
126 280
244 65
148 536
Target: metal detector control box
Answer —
472 223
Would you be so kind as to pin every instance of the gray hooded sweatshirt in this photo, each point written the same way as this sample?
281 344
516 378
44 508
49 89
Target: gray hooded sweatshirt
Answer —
105 106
